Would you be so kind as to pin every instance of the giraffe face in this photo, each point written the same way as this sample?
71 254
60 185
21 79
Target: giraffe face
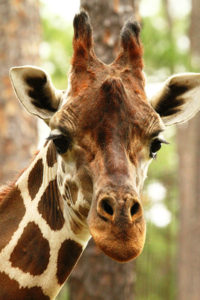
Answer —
106 133
104 137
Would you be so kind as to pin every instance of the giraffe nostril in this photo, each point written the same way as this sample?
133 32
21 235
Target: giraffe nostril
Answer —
111 209
135 208
106 206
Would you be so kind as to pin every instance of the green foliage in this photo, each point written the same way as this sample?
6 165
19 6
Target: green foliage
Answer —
56 49
164 54
64 293
156 267
164 47
155 276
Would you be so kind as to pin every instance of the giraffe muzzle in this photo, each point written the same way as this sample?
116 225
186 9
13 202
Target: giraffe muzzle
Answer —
117 225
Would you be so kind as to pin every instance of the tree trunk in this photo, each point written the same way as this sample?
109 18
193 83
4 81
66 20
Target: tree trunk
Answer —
96 276
107 18
189 243
19 31
194 33
189 152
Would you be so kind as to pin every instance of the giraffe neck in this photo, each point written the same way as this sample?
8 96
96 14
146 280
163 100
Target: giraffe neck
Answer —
39 240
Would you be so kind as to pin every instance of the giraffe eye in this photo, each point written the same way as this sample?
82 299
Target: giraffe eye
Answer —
61 142
155 146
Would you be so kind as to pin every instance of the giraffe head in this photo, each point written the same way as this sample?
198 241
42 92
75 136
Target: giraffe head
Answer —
106 132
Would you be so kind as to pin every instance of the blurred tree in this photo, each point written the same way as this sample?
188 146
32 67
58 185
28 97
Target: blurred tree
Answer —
97 277
108 18
155 268
194 34
20 31
56 48
189 179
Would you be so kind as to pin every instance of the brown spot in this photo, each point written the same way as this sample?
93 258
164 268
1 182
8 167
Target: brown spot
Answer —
68 255
78 215
75 226
71 187
64 197
67 191
49 206
32 252
51 155
35 178
12 211
10 290
83 210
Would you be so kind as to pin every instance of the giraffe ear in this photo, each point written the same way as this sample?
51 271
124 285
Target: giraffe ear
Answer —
179 99
35 91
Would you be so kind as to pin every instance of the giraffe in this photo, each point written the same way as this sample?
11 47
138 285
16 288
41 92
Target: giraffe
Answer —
87 178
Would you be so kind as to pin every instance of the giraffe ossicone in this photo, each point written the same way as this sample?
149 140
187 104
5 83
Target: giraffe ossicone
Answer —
87 178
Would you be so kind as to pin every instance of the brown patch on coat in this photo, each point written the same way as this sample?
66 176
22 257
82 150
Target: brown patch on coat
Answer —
51 155
68 255
32 252
80 216
12 210
71 191
75 226
35 178
64 197
67 191
49 206
83 210
10 290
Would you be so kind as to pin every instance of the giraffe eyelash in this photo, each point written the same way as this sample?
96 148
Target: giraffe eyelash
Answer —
156 145
61 142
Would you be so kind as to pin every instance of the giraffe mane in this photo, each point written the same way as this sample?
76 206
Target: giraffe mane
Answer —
7 188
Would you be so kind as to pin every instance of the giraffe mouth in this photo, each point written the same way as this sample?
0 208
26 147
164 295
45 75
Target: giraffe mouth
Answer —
120 242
